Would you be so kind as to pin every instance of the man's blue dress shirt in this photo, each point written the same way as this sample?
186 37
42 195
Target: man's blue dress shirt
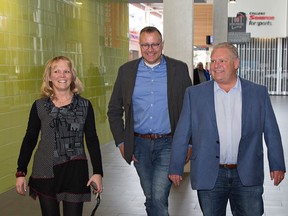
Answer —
150 101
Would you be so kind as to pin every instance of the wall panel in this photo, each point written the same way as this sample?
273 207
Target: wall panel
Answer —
32 32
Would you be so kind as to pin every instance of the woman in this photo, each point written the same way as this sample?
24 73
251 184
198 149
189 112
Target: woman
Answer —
60 167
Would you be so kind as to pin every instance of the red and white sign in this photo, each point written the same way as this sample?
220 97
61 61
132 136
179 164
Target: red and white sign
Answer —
264 18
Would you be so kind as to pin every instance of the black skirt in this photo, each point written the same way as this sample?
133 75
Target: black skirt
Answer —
69 183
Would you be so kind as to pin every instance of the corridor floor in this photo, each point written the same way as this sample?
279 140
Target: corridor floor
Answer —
123 196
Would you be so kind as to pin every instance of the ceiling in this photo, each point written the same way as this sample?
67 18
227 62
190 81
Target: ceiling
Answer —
156 6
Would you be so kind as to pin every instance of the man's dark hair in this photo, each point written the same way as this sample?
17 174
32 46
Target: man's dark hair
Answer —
151 29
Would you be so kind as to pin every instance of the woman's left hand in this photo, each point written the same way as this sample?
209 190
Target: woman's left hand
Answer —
97 179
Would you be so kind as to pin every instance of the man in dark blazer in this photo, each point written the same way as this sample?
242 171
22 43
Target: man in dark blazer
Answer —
143 111
200 74
226 119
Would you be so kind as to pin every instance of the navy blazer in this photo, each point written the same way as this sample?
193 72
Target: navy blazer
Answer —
120 109
198 120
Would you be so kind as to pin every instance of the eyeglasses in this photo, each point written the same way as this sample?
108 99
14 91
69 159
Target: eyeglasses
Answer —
153 46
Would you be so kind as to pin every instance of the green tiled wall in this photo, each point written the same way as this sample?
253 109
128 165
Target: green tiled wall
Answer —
93 34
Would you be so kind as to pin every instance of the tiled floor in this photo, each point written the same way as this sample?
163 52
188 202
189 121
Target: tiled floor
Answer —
123 196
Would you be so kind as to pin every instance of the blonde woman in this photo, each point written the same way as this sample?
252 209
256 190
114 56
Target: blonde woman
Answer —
60 167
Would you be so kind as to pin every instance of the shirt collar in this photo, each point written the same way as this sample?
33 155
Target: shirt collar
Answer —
237 86
162 61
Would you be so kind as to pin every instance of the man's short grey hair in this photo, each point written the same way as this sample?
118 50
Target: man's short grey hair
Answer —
231 47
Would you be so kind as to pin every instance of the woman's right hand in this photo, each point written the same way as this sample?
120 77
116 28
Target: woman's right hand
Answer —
21 185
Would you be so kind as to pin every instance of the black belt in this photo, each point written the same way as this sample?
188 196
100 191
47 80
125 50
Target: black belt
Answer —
152 136
228 166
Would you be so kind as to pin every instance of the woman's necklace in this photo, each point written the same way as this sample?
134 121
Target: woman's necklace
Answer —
63 101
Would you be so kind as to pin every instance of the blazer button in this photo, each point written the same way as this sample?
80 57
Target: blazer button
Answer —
217 157
217 141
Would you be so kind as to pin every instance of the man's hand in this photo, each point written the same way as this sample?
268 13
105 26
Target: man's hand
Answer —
121 148
277 176
176 179
189 153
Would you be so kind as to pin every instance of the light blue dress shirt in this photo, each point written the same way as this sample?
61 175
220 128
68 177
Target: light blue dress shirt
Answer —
150 100
228 107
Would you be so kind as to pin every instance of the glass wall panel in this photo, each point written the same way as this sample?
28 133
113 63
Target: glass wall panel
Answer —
94 33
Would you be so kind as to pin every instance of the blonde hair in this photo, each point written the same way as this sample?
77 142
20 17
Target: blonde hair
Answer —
76 85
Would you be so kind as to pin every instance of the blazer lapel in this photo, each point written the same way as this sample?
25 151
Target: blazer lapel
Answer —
171 72
210 102
245 106
131 78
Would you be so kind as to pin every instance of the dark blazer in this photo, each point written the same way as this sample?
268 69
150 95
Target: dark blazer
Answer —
196 79
120 109
198 120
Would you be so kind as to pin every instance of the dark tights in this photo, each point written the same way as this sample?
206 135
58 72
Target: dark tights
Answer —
50 207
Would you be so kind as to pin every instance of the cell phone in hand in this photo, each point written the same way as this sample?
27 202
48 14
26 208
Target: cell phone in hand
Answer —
94 187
